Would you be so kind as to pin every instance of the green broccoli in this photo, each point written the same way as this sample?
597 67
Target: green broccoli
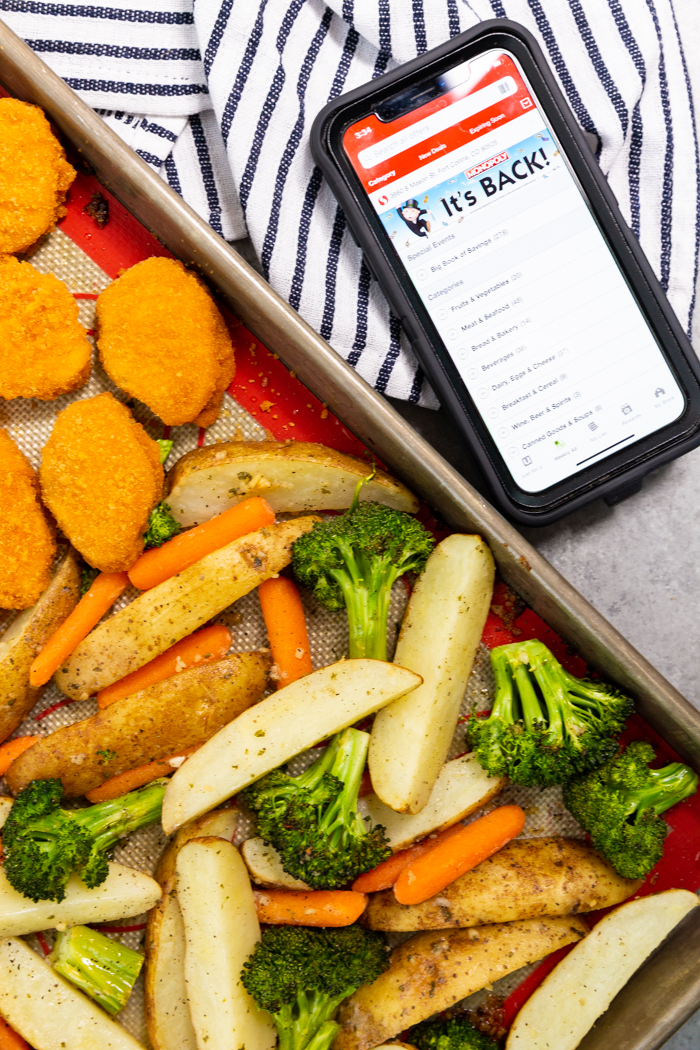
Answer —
457 1033
164 448
104 969
620 805
546 725
44 844
352 561
161 526
88 575
312 819
301 976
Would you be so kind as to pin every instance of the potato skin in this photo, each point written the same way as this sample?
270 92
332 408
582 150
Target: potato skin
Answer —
17 696
432 971
181 711
527 879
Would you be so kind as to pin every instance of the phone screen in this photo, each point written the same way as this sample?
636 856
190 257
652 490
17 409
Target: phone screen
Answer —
498 240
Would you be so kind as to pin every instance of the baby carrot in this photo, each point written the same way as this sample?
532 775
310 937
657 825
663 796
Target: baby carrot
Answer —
122 783
445 862
385 874
11 1040
12 750
309 907
286 629
160 563
210 643
103 593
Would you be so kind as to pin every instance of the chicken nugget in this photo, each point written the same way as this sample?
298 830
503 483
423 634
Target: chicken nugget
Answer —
27 542
45 349
34 176
101 477
163 340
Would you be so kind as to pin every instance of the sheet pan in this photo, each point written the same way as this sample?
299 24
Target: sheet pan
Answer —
667 989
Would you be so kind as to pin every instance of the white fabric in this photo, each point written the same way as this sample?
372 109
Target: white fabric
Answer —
231 87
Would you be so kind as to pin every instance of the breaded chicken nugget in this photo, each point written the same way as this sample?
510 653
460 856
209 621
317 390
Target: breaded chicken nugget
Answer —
45 351
34 176
27 543
162 339
100 477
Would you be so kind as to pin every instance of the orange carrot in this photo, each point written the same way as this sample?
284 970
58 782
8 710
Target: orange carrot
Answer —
309 907
384 876
160 563
445 862
105 590
11 1040
211 643
286 629
136 778
12 750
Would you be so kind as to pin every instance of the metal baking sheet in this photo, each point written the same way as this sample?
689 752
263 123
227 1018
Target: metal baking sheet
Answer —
667 989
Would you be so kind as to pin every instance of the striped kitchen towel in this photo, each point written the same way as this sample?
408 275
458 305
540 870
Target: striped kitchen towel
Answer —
219 96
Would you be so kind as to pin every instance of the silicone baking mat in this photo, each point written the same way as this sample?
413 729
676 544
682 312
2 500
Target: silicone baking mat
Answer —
267 401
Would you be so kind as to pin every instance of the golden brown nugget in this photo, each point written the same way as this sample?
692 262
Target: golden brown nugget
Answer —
34 176
27 542
100 477
45 349
162 339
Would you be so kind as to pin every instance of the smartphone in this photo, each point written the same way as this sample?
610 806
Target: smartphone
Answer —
485 218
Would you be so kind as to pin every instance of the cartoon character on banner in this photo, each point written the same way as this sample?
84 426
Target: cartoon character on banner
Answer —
417 219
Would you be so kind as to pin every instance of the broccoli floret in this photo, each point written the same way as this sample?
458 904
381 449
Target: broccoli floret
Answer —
161 526
457 1033
88 575
301 976
546 725
105 970
620 805
312 819
352 561
44 844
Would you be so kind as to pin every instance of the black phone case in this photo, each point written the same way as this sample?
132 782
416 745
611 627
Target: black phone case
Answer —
615 477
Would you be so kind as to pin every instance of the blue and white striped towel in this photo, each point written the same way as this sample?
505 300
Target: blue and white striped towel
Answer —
219 96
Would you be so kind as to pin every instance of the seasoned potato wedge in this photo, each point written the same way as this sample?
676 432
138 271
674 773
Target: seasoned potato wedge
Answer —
165 993
582 986
220 824
279 727
125 892
294 476
461 788
50 1012
166 613
176 713
5 807
439 638
431 971
526 879
265 867
221 931
26 636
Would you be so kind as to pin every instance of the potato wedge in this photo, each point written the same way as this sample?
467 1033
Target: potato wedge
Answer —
296 476
5 807
125 892
50 1012
526 879
582 986
279 727
176 713
166 613
439 638
26 636
265 867
221 931
431 971
165 992
461 788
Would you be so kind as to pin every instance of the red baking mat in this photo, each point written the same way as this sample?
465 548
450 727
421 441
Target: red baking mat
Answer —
284 406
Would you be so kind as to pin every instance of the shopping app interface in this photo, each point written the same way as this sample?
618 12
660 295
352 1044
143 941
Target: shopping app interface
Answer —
488 220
